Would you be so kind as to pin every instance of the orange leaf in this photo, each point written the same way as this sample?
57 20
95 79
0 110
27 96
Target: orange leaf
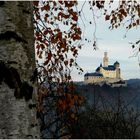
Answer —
47 7
49 56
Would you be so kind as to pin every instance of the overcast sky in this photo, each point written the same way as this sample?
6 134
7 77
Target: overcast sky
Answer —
113 42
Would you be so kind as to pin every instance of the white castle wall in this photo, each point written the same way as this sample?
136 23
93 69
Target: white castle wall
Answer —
108 73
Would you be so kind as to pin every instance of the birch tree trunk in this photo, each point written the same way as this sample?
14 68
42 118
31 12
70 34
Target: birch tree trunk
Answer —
17 58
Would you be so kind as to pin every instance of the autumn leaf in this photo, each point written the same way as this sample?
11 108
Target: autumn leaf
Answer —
46 62
47 7
69 3
107 17
42 46
49 56
69 77
66 62
35 3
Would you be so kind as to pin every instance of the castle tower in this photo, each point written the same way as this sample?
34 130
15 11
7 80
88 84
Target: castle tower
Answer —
117 66
105 60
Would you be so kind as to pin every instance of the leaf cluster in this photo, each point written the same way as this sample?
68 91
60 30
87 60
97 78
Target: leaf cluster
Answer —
57 37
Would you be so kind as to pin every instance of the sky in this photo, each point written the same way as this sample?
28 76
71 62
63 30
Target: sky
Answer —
113 42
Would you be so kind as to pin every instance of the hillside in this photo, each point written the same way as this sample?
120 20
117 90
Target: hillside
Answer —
133 82
94 93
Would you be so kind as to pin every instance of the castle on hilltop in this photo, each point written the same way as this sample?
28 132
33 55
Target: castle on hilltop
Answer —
105 73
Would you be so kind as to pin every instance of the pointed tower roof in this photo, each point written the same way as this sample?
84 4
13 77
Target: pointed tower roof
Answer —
116 63
100 64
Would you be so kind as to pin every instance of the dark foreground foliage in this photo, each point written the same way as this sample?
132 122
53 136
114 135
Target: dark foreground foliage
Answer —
84 121
100 120
105 124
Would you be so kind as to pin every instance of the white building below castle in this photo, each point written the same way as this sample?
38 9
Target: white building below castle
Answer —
110 74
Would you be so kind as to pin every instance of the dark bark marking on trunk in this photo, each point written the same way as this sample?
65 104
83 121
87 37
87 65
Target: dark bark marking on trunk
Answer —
11 77
2 3
10 34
